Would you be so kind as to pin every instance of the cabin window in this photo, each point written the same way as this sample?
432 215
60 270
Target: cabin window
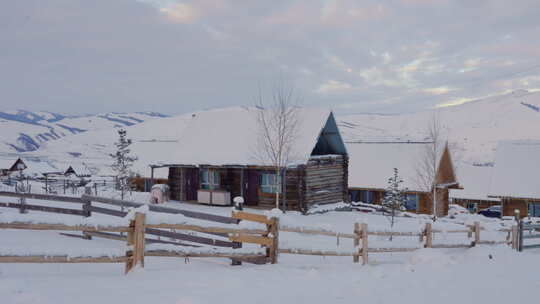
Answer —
411 202
270 183
209 179
472 207
366 196
534 209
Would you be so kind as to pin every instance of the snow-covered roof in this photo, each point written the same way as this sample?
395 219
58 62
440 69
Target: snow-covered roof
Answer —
475 181
7 163
80 170
371 164
515 174
229 136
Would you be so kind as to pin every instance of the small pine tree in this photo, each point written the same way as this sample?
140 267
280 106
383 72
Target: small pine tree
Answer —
123 161
394 198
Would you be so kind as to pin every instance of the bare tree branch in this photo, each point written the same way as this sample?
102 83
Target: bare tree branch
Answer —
278 122
427 164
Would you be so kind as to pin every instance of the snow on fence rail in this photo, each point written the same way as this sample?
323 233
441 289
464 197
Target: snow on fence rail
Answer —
360 240
136 241
533 230
220 238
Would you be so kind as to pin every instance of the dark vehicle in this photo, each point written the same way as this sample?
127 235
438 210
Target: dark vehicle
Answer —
493 211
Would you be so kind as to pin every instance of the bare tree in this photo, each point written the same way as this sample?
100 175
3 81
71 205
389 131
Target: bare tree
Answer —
428 162
278 122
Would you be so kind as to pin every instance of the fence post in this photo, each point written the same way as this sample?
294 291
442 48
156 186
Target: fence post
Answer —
274 230
429 236
356 242
364 243
87 212
476 233
520 236
236 262
22 202
514 233
135 240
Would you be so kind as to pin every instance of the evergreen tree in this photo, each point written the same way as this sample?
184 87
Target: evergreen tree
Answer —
123 162
394 198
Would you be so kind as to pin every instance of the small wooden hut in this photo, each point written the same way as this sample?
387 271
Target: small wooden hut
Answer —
218 159
7 167
475 180
372 164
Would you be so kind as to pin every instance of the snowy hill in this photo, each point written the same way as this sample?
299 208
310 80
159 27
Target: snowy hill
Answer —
473 129
23 131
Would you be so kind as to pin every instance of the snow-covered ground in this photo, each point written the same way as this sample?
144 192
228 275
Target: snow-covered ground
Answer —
483 274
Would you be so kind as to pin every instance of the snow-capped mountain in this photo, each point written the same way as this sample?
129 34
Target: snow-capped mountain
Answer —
472 129
23 131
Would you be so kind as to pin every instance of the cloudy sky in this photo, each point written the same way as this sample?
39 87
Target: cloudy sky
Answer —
80 56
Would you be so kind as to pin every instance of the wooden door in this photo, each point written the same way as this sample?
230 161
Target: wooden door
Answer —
252 188
191 183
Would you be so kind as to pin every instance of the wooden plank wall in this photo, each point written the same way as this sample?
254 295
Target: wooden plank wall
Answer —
292 180
480 204
325 180
510 205
176 183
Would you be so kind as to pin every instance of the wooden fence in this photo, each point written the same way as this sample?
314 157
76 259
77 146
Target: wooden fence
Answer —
227 238
361 233
217 237
136 241
527 231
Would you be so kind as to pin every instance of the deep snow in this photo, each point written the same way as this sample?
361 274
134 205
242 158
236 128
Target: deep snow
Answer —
484 274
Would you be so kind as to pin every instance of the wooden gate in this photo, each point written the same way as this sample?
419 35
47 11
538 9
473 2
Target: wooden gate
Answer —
528 231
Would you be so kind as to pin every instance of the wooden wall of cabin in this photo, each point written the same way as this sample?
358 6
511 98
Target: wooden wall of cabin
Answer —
480 204
176 183
291 199
510 205
425 204
326 180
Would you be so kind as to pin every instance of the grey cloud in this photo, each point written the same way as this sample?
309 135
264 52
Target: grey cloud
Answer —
381 56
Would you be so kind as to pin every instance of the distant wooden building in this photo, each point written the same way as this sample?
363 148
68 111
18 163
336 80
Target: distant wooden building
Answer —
372 164
217 161
475 182
515 177
7 167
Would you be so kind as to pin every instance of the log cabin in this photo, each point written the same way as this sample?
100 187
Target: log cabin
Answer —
475 181
515 177
7 167
372 164
219 157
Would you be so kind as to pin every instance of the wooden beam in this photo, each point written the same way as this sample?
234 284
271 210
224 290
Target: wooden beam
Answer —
251 217
218 230
47 197
62 227
155 208
190 238
182 254
43 208
243 238
59 259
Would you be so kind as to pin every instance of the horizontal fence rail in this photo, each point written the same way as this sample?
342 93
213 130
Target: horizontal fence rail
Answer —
136 241
528 231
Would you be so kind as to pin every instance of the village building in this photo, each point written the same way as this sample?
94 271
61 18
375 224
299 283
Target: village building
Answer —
8 167
515 177
475 181
372 164
218 157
